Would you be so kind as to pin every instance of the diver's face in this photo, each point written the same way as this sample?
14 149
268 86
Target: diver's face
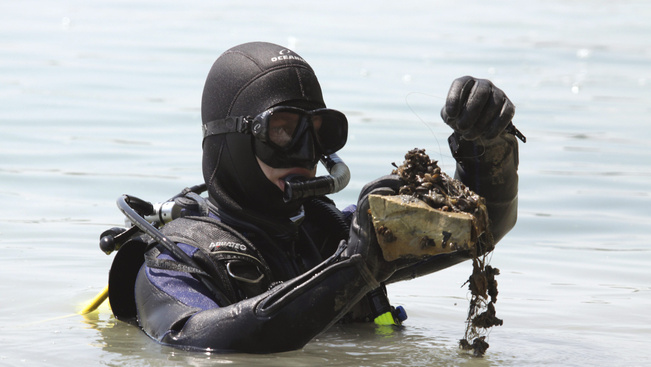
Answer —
277 175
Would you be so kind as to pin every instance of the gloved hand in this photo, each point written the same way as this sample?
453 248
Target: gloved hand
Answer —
476 108
362 234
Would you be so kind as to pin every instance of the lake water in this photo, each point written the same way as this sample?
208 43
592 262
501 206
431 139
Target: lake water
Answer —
101 98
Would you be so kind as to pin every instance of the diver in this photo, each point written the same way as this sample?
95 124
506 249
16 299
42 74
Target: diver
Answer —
266 261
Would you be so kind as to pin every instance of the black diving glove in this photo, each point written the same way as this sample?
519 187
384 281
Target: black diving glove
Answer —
485 147
362 239
476 108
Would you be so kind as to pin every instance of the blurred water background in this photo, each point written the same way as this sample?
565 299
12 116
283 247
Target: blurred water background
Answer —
101 98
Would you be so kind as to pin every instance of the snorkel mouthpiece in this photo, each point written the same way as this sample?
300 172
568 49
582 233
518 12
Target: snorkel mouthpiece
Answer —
297 187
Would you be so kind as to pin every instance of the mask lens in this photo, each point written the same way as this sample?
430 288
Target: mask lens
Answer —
285 128
282 128
331 129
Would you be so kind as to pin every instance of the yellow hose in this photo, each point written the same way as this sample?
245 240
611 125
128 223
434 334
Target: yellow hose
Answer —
95 302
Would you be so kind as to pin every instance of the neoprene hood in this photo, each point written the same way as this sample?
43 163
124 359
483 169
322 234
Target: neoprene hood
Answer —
245 81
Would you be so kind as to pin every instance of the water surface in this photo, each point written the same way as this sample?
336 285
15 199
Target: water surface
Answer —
101 98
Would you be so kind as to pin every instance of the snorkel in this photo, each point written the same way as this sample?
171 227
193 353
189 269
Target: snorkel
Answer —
298 187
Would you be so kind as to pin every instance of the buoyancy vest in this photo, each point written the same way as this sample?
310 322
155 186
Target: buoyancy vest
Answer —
230 260
236 266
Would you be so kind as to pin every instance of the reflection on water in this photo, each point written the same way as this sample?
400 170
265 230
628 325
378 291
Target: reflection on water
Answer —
102 99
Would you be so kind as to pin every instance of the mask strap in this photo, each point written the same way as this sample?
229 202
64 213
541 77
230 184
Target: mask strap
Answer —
240 124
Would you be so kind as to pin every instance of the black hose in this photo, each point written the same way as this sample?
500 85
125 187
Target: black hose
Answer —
125 203
297 188
197 189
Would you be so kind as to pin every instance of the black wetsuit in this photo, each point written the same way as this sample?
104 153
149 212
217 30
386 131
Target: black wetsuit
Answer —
284 310
306 286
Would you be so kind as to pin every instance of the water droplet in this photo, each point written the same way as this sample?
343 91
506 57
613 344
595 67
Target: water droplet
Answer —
583 53
65 22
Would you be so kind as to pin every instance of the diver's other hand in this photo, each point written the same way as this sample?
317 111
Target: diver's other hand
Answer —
362 239
477 108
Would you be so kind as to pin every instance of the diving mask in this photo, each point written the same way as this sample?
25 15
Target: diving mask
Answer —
288 136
